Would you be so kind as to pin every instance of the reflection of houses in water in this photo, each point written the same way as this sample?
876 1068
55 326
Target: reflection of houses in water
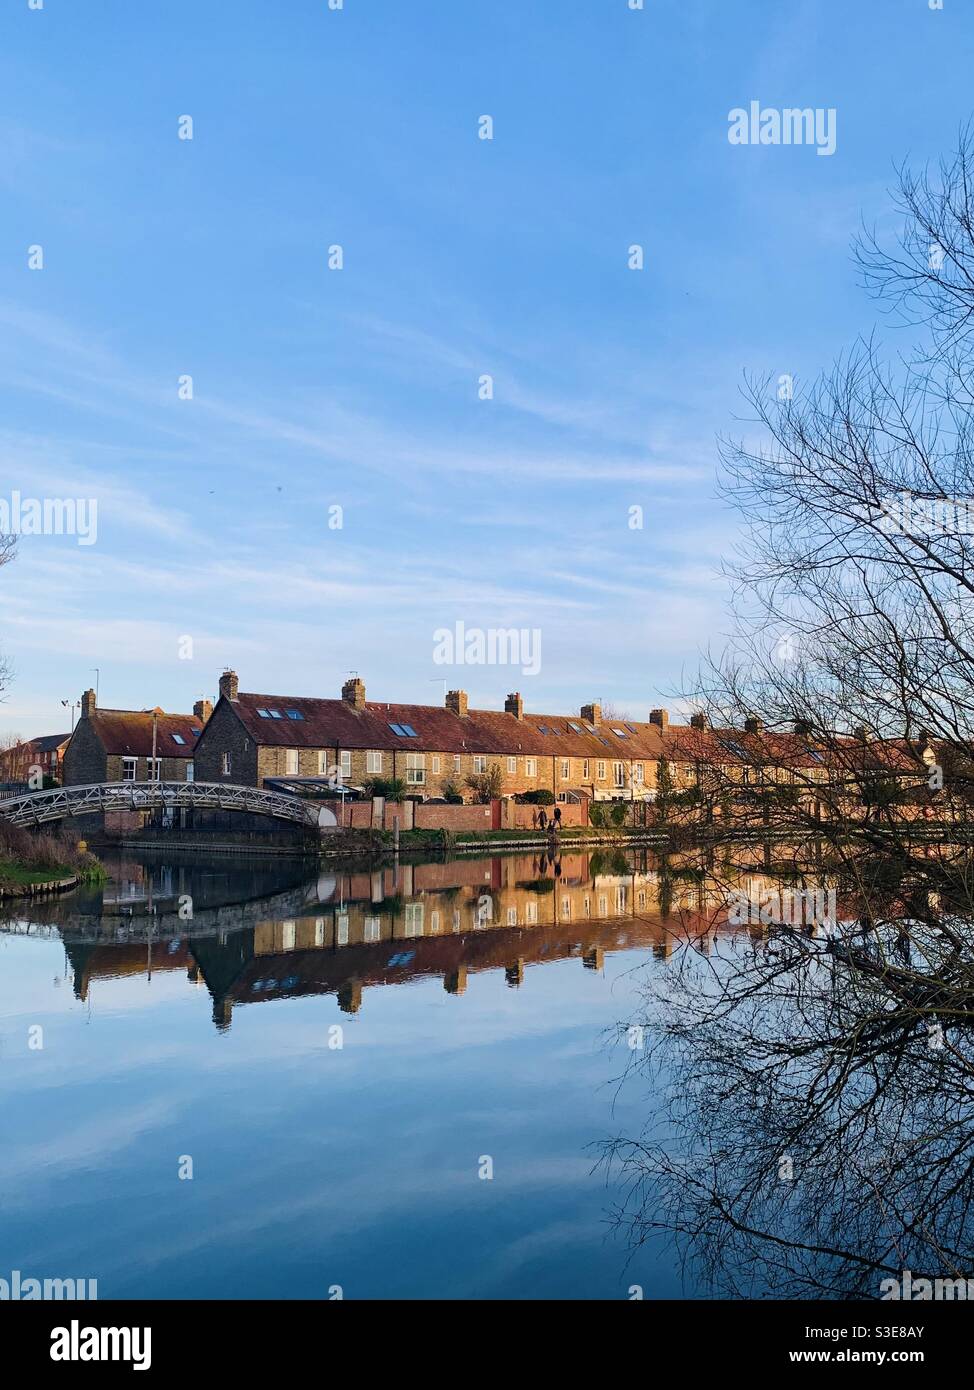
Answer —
410 922
342 933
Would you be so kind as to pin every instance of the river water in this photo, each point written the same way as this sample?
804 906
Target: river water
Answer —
279 1081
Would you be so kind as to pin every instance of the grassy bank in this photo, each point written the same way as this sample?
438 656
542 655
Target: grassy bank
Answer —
27 859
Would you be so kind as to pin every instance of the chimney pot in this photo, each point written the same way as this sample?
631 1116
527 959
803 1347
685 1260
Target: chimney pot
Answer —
591 714
229 685
659 717
202 710
88 704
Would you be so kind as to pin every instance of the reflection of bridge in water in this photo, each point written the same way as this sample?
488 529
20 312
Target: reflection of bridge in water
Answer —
341 933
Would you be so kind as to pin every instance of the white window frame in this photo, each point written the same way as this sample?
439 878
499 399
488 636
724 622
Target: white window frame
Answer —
585 769
130 765
512 766
345 762
530 767
479 763
373 761
566 769
153 769
456 762
190 770
415 769
435 762
227 765
292 762
619 775
600 771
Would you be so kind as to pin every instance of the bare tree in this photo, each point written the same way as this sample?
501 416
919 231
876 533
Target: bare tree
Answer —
840 745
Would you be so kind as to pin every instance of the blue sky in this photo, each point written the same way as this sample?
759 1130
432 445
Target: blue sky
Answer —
358 388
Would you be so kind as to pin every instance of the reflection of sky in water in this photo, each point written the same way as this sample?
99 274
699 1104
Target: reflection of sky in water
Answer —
315 1166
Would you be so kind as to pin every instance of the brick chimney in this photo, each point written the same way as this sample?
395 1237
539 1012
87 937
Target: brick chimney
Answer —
88 704
456 700
802 728
202 710
698 721
753 726
591 714
229 685
353 693
660 717
514 704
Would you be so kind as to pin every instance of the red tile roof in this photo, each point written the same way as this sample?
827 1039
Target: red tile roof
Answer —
129 732
335 723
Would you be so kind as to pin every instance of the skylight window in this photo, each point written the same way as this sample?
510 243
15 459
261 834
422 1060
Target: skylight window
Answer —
632 728
591 728
263 714
294 714
543 729
178 738
576 727
619 733
275 714
409 731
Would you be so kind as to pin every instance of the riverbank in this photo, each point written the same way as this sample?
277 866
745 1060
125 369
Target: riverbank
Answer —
32 864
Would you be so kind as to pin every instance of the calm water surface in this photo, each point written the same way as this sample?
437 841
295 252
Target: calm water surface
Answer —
477 1004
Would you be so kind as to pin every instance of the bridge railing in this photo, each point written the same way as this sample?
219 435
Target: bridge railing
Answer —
59 803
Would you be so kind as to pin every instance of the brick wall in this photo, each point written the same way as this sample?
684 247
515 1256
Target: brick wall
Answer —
223 732
84 758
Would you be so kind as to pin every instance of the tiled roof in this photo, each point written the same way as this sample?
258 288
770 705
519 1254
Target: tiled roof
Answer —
335 723
129 732
47 743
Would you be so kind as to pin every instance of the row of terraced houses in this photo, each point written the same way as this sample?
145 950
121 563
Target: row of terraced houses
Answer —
435 752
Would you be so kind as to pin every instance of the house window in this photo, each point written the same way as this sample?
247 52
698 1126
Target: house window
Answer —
456 762
373 762
129 766
341 930
600 771
372 930
530 767
415 769
479 764
512 765
190 771
619 774
436 762
227 766
637 773
291 762
413 919
566 769
153 769
322 762
585 770
345 762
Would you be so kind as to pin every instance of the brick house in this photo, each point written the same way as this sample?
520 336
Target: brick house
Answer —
113 745
45 752
250 738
